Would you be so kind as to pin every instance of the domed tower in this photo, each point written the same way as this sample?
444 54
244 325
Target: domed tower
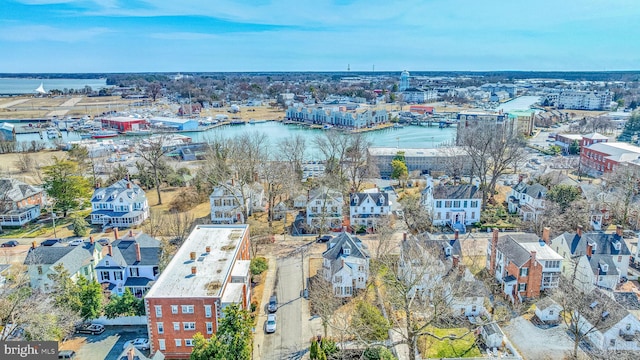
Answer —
404 80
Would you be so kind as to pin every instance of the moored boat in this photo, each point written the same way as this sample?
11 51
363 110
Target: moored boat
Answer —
102 134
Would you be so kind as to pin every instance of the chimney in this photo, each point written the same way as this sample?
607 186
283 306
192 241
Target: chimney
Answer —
192 256
207 249
193 270
533 258
589 250
110 250
131 354
129 185
34 244
97 185
115 233
545 235
579 230
456 234
138 255
128 177
456 260
619 230
91 240
492 256
131 233
404 236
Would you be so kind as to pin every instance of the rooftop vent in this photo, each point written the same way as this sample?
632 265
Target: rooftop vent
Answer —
605 314
593 304
192 256
193 270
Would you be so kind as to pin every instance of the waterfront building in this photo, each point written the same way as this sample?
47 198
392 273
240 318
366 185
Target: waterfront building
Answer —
123 124
443 159
208 272
580 100
338 116
174 123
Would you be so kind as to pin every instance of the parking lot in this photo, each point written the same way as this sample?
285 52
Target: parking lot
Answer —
106 346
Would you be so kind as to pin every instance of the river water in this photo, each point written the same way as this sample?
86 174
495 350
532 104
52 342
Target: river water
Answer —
29 85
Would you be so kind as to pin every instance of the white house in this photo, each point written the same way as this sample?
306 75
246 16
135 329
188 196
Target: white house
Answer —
123 204
345 264
599 259
324 208
453 205
527 200
20 203
548 310
367 208
78 260
608 325
131 262
492 335
225 202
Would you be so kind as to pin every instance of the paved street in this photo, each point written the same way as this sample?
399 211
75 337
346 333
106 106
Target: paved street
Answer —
290 341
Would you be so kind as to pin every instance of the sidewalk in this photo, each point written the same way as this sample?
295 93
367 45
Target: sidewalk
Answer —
269 283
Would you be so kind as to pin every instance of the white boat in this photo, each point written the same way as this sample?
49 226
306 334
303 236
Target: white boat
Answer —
327 127
52 133
397 126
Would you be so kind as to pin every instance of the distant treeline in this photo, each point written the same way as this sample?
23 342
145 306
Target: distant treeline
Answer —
113 78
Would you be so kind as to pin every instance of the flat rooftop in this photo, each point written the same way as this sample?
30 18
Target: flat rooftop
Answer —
393 151
212 268
173 120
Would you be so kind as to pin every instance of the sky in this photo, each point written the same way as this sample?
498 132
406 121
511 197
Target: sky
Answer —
79 36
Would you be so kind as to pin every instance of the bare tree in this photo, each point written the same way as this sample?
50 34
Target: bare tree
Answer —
324 303
154 155
179 225
356 161
622 187
25 163
492 149
293 150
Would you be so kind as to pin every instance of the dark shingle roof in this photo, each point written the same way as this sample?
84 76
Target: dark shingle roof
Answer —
117 190
456 192
15 190
335 250
378 198
536 190
124 250
605 243
510 247
596 304
628 300
73 257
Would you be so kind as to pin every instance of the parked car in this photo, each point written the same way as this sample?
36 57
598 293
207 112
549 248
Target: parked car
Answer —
66 354
88 328
138 343
273 304
270 325
324 238
103 241
50 242
10 243
76 242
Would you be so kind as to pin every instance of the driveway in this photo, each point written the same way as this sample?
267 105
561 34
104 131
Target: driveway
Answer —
108 345
535 343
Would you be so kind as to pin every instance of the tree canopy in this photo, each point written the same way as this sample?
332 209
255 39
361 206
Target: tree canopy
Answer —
563 195
232 341
64 183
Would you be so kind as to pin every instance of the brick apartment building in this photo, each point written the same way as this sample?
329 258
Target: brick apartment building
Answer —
209 272
523 264
603 157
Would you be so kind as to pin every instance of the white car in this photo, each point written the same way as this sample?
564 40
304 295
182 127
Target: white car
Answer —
270 325
139 343
76 242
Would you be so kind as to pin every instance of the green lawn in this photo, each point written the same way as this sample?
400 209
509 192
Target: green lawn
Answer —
431 347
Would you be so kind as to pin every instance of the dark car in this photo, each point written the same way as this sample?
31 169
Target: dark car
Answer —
273 304
88 328
50 242
10 243
324 238
103 241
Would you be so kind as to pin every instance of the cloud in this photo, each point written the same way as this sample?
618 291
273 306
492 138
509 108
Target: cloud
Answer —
29 33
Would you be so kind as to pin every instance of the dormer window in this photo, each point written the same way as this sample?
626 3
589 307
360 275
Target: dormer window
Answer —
594 246
346 251
605 267
617 245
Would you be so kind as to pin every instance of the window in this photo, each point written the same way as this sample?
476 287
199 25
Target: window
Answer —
337 279
178 342
474 308
189 325
619 258
161 344
552 264
346 251
438 204
465 204
551 312
105 275
207 311
188 342
456 203
474 203
473 215
524 272
447 204
522 287
187 309
117 275
174 309
158 310
133 271
160 328
176 326
612 342
209 328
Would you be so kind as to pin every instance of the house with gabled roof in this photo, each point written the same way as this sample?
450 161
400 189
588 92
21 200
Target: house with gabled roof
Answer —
324 209
597 258
131 262
548 310
345 264
607 324
122 204
523 264
367 208
527 200
20 203
229 200
453 205
78 260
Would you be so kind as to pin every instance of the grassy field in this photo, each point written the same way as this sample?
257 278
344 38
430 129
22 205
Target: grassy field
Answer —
431 347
